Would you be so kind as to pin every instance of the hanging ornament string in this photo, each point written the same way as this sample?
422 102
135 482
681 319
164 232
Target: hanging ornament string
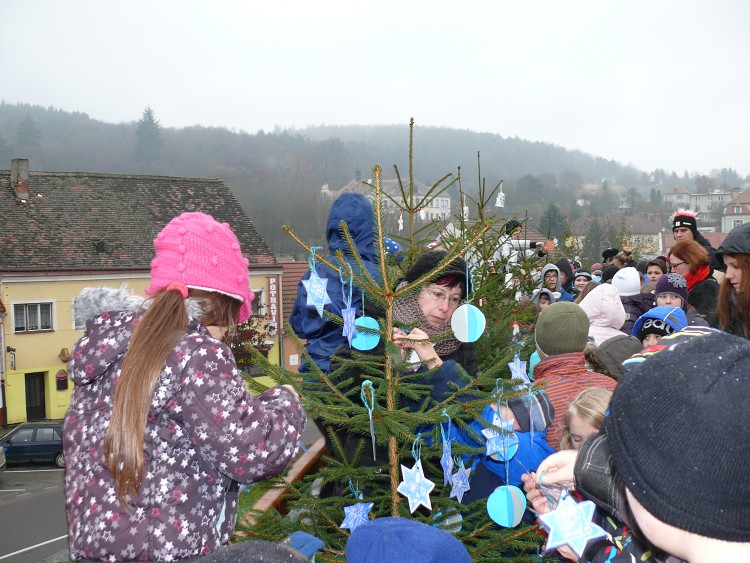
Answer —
311 257
355 490
446 460
348 312
416 447
370 406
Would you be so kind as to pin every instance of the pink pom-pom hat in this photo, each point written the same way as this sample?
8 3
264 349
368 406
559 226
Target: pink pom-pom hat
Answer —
197 251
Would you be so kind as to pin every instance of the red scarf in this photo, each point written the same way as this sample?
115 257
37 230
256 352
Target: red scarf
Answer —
700 274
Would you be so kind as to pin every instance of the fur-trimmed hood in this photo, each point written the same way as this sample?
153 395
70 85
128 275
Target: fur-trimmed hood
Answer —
94 301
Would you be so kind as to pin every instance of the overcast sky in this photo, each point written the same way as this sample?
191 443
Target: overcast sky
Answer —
655 83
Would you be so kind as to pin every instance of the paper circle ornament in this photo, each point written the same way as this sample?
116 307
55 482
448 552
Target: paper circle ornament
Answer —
452 521
507 447
468 323
506 506
365 339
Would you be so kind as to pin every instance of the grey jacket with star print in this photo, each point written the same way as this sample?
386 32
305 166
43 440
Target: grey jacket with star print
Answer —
204 434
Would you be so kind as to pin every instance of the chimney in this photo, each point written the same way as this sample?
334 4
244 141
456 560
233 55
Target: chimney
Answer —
19 177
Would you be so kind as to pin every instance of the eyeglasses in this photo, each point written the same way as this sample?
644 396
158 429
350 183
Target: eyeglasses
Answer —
439 297
672 265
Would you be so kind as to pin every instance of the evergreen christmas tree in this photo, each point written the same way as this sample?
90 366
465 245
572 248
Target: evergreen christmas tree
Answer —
408 477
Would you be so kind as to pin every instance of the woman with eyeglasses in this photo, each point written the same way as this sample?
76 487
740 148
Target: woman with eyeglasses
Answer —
734 296
423 320
689 259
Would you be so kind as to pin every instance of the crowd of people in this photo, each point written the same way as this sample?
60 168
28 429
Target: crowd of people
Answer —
638 367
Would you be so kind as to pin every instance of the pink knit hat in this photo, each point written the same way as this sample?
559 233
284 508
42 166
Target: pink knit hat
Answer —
196 251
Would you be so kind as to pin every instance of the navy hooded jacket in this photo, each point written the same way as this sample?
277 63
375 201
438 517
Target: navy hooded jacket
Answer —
323 335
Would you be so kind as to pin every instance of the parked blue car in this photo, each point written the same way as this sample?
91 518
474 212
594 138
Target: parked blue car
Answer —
35 441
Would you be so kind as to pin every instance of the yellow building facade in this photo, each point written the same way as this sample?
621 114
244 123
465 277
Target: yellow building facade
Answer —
39 331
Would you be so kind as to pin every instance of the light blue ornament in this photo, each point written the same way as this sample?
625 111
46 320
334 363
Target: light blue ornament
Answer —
468 323
506 506
500 446
366 339
570 524
317 293
416 487
452 522
356 515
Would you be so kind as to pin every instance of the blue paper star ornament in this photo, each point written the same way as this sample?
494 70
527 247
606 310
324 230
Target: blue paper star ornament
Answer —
460 482
356 515
317 292
416 487
570 524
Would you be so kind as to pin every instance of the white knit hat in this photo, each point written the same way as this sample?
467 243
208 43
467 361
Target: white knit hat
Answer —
627 281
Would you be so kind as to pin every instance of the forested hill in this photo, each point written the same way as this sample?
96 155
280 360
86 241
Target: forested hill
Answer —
277 176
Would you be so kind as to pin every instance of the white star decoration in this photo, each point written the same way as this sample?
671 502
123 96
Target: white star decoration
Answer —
518 370
570 524
317 294
356 514
460 482
416 487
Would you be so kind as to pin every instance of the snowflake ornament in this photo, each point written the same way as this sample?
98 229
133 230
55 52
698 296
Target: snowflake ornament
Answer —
416 487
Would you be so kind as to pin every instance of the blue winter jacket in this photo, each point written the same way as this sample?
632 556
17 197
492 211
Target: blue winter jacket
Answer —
532 450
323 335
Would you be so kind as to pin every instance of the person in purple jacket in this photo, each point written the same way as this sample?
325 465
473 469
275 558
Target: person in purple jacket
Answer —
161 429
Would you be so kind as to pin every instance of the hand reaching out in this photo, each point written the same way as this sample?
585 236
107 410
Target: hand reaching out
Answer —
419 341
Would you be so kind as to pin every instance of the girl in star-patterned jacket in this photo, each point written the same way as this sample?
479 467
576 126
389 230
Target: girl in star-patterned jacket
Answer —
161 429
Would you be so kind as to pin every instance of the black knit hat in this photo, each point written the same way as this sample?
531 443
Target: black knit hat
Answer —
430 260
609 272
537 410
685 219
610 253
679 441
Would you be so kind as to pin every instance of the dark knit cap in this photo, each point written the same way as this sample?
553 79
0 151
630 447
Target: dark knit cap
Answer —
679 440
533 408
609 272
583 272
685 219
610 253
562 328
401 540
430 260
673 283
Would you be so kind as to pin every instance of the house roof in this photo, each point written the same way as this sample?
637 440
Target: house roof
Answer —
81 221
293 272
742 199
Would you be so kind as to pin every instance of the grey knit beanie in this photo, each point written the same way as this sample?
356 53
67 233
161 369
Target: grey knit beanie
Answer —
677 433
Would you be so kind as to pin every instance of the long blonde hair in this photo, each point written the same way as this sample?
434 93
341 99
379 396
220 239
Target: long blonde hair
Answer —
589 405
156 334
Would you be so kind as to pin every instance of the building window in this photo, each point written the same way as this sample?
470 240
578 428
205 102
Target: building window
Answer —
737 209
737 222
32 317
257 303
